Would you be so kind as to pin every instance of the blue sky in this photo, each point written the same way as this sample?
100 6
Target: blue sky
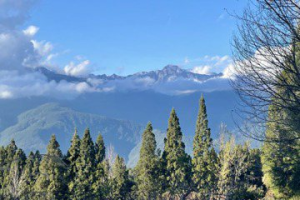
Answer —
124 37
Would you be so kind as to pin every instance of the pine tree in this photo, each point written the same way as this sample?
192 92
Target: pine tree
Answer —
28 178
71 159
10 152
177 163
239 174
106 188
120 185
204 171
36 165
147 167
280 160
51 183
3 156
85 167
14 188
99 149
99 174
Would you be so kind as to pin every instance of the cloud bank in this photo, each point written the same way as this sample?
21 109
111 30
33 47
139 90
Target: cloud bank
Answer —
20 54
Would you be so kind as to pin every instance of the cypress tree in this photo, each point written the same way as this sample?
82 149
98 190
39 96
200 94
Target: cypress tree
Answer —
85 167
99 149
36 164
10 152
51 183
106 188
281 149
147 167
71 158
280 160
14 188
177 164
3 156
99 174
120 185
28 178
204 171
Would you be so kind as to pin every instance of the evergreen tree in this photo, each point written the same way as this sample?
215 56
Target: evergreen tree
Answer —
146 170
205 159
14 188
71 159
120 186
10 152
85 167
3 156
28 178
236 179
99 149
36 164
51 183
280 160
177 163
281 149
106 188
99 174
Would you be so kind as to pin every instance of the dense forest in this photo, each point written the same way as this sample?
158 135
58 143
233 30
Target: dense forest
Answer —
234 171
267 79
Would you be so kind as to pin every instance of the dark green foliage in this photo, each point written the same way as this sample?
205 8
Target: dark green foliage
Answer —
14 188
85 168
120 184
234 173
281 161
147 171
28 178
99 149
71 159
205 160
51 183
177 164
100 178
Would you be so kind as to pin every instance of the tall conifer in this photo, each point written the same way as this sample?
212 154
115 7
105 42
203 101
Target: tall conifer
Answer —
28 178
177 163
99 185
204 160
147 183
85 168
14 188
51 183
120 186
71 158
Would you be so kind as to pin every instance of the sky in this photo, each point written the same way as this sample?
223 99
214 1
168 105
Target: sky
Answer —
125 37
78 38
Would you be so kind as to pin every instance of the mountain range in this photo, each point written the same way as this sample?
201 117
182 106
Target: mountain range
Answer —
171 80
120 114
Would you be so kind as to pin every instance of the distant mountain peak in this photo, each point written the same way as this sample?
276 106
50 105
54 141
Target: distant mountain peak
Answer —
169 79
172 67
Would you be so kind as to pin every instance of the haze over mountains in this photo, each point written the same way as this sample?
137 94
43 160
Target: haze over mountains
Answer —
171 80
119 107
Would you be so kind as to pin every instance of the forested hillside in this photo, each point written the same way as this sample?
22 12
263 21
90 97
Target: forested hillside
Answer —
89 170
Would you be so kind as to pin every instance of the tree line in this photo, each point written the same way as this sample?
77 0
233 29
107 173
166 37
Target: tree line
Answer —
234 171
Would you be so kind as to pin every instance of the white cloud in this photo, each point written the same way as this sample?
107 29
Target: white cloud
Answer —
229 72
14 84
80 69
43 48
210 64
19 52
202 69
31 31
